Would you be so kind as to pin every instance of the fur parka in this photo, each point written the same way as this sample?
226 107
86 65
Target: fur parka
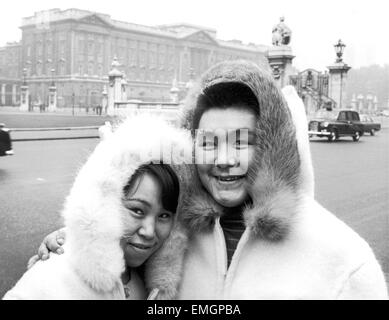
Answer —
93 261
292 248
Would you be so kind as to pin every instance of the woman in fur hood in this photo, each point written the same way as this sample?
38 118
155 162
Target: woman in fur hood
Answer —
250 226
120 211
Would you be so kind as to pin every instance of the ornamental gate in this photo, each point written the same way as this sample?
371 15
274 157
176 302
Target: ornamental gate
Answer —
313 88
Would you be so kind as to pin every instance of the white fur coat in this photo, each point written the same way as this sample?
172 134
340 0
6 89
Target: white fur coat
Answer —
93 261
292 248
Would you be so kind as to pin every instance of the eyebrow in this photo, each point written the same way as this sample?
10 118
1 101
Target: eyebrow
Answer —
139 200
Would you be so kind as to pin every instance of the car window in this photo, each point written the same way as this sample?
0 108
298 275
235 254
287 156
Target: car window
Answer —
354 116
342 116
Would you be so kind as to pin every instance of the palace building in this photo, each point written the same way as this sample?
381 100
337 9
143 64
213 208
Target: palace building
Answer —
10 71
75 48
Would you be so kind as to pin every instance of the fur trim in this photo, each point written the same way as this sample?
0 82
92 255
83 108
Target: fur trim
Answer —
93 210
297 110
164 268
280 174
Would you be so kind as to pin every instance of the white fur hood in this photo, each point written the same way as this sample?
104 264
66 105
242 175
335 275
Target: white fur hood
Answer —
93 209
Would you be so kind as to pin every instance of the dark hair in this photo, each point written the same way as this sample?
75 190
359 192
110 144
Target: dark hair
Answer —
166 178
224 95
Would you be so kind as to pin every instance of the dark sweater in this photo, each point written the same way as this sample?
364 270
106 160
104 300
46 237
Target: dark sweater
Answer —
233 227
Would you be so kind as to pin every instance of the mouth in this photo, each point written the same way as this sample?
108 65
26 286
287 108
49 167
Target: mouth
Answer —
141 246
229 179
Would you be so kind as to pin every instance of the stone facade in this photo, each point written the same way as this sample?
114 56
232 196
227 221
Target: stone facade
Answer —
338 84
75 49
313 88
10 57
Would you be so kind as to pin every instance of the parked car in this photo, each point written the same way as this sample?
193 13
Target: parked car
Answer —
384 113
369 125
5 141
335 124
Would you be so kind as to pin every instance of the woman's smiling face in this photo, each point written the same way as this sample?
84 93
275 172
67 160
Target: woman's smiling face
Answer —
224 151
147 224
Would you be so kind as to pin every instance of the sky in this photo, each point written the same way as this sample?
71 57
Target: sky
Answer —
363 25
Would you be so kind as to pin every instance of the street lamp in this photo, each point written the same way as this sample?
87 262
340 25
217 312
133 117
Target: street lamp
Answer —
339 48
24 76
52 77
73 99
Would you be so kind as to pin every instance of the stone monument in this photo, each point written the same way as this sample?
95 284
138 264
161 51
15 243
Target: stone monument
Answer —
280 54
24 93
104 99
360 102
52 98
375 104
174 91
115 86
2 94
354 102
369 102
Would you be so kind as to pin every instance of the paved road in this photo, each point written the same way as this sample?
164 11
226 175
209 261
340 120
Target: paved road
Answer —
352 180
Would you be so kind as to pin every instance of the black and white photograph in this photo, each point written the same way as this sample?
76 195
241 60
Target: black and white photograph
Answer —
194 150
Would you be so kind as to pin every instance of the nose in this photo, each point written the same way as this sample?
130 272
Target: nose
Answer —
226 157
147 228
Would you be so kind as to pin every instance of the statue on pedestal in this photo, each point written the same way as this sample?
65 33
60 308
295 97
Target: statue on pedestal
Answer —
281 34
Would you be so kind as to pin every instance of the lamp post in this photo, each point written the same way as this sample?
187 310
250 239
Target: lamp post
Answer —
73 98
339 48
52 77
24 95
24 76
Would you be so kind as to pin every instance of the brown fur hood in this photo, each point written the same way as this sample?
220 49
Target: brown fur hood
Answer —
282 173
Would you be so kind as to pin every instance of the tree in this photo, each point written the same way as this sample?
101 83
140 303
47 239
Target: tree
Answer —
372 79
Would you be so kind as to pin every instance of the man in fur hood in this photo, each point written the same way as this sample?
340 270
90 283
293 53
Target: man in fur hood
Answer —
250 227
280 243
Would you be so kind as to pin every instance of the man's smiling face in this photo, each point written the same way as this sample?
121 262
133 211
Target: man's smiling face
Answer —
224 151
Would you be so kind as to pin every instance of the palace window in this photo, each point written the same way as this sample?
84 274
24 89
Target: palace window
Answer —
62 44
39 48
62 68
39 69
153 56
81 44
142 75
80 69
143 55
90 68
171 58
133 52
100 50
49 48
161 57
122 50
100 70
91 47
